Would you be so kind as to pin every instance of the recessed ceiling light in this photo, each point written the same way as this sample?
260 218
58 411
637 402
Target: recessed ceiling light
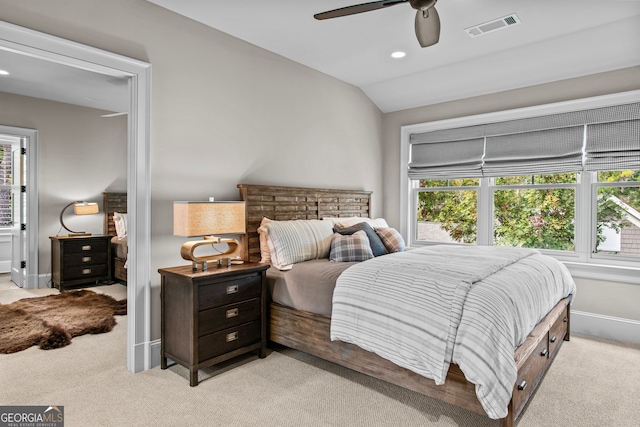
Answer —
398 55
4 73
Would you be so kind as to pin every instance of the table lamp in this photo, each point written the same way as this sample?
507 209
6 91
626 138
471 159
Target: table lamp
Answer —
195 219
80 208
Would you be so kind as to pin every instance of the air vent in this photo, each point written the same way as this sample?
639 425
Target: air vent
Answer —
494 25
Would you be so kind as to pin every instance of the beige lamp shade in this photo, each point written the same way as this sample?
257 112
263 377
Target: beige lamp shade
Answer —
207 218
85 208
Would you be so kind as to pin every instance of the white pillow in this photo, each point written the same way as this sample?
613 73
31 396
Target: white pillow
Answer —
352 220
295 241
265 255
120 221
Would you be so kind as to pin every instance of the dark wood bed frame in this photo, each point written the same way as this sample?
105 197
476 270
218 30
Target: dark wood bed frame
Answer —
111 203
309 332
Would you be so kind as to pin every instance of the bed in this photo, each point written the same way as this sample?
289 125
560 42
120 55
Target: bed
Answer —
114 206
311 332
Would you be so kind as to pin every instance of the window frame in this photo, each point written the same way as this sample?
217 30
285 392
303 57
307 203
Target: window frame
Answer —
582 263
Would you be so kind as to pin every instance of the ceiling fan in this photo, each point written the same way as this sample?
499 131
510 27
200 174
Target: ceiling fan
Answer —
427 21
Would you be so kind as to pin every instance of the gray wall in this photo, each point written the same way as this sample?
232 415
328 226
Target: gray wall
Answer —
223 111
80 155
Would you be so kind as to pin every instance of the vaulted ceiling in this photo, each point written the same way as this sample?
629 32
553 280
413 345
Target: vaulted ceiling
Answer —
551 40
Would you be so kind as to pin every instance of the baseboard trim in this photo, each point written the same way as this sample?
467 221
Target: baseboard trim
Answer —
154 351
606 327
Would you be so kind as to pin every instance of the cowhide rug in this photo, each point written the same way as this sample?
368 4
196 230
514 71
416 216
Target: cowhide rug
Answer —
51 321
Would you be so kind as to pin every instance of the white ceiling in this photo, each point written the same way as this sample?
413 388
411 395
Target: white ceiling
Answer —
556 40
38 78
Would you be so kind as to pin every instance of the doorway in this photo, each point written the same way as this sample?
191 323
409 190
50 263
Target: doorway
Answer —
49 48
18 191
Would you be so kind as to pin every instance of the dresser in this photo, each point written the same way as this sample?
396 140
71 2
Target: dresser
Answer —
212 316
78 260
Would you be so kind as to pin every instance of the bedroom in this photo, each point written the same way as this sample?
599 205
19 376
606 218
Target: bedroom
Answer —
247 137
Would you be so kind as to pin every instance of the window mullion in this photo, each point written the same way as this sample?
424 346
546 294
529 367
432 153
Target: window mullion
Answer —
585 216
485 212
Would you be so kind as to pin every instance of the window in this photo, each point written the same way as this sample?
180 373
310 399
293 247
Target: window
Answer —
566 182
447 211
6 218
536 211
617 201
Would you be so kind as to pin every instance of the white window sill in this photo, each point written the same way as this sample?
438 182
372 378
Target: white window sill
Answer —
611 273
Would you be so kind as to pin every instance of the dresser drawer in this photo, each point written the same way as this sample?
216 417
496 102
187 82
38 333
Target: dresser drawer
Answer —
227 316
227 340
85 246
84 272
81 259
228 292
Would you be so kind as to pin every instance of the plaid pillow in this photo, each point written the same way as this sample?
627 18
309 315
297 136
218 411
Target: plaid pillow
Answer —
354 247
391 238
377 247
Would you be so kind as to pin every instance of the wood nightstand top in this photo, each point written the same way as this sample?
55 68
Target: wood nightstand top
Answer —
214 270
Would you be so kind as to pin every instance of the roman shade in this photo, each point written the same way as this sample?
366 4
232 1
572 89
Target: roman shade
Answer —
605 138
613 142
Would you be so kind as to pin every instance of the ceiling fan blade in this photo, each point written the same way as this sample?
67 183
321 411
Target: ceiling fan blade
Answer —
428 27
358 8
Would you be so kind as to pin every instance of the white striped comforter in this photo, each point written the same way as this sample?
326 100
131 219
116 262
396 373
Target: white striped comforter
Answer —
426 308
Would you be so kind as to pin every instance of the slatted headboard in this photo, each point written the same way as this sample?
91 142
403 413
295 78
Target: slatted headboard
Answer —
287 203
112 202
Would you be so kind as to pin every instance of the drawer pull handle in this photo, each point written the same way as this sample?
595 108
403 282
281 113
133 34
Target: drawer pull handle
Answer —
522 385
232 289
232 336
565 320
232 312
86 248
553 338
543 352
86 259
86 271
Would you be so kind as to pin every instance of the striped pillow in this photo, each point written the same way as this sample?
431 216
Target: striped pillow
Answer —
348 248
291 242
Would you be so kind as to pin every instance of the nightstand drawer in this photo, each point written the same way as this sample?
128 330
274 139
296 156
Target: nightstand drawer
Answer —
82 259
85 246
227 292
222 342
82 272
227 316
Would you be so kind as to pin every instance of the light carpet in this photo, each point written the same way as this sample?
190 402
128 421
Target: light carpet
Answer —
591 383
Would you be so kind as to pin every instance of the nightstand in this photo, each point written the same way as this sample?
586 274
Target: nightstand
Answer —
77 260
212 316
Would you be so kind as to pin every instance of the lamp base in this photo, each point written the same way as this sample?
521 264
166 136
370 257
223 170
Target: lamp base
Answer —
188 248
80 234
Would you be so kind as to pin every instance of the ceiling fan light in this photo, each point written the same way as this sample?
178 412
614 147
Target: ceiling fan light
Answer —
427 27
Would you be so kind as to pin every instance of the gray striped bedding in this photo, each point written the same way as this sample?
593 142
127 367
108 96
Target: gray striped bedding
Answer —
426 308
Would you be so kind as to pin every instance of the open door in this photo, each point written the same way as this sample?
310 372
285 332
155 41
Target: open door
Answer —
19 211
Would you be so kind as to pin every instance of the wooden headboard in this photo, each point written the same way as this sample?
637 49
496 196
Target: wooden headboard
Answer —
287 203
112 202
